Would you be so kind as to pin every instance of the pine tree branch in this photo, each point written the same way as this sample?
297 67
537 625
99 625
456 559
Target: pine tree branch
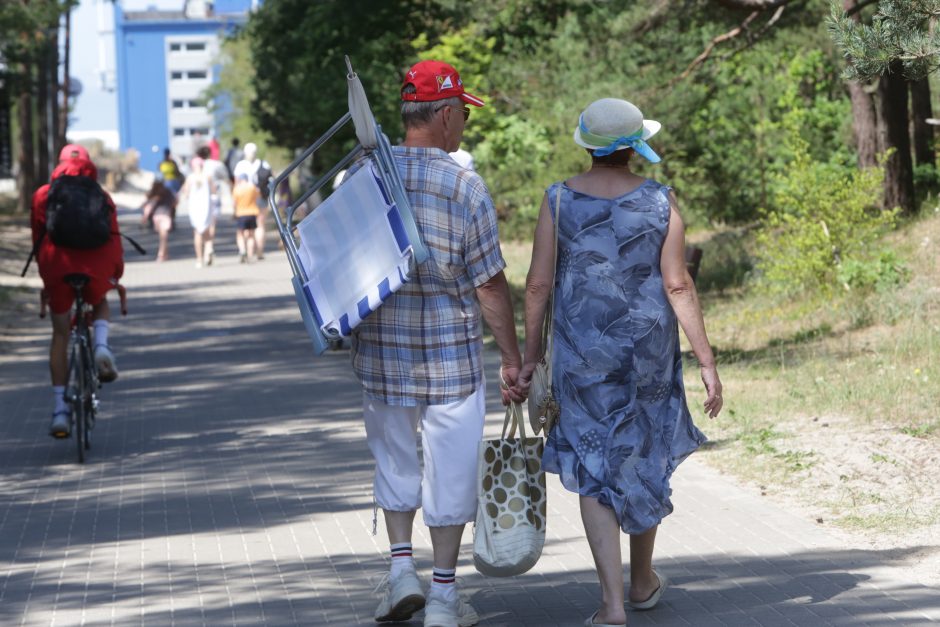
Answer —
658 15
754 5
752 40
731 34
858 7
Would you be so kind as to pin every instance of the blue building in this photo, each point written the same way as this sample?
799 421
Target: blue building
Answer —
165 60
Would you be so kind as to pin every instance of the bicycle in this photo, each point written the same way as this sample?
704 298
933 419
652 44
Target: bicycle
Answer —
82 383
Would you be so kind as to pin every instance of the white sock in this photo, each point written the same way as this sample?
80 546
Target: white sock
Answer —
443 583
402 558
101 331
58 393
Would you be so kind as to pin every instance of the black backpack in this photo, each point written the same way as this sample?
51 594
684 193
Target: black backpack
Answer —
264 179
78 214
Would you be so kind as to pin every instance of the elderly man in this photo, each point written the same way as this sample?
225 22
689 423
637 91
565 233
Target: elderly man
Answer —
419 357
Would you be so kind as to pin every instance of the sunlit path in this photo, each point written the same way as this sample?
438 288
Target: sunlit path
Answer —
229 483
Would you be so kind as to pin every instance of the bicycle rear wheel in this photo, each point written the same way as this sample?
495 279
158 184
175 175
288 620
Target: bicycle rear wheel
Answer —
79 383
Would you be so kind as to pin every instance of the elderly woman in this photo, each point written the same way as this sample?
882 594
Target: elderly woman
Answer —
620 285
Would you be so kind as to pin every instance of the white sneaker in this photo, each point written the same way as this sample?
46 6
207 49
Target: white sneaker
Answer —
442 612
61 424
105 363
401 597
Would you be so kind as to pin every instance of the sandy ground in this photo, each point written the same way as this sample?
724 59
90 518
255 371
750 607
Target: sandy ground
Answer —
871 485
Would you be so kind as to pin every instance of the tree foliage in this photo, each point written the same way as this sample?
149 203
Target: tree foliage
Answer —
298 48
721 75
900 30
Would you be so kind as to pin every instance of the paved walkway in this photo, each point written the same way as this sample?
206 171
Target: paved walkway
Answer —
229 484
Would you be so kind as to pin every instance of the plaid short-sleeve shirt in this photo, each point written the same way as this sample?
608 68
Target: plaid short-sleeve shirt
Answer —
424 344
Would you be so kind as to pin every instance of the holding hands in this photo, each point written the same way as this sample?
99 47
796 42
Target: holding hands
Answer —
510 390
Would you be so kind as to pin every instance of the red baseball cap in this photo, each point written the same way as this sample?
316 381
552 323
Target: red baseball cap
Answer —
436 80
73 151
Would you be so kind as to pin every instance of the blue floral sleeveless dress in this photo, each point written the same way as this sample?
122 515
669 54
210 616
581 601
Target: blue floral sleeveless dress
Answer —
617 371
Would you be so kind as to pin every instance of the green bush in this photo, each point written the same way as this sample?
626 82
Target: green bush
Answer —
883 273
824 228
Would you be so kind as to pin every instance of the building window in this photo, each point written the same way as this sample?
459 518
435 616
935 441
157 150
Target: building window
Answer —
175 47
203 131
196 75
176 76
195 46
178 104
179 132
195 104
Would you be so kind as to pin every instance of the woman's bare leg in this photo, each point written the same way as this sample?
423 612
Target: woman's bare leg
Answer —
603 534
198 245
259 234
164 238
643 583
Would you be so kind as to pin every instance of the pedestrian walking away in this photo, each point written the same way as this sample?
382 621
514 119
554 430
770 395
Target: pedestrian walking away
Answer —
246 215
221 196
170 172
159 213
419 356
620 286
75 231
197 192
232 157
259 172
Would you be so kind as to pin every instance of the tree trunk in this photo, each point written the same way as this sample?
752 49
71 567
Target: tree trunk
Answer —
864 118
42 113
26 178
864 125
54 127
893 119
6 140
66 86
922 132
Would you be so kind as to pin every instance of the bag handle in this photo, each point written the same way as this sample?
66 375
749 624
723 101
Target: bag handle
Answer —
513 420
548 325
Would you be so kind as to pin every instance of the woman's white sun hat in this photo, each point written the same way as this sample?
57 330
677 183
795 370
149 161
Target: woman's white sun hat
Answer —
611 124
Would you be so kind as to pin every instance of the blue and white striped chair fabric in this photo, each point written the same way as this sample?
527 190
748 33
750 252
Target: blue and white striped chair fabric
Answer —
355 252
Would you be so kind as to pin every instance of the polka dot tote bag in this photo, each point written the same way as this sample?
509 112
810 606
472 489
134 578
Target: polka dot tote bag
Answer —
510 526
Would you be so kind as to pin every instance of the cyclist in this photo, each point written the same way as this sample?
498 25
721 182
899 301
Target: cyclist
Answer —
104 264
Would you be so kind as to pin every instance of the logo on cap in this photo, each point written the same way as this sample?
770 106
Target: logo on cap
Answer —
444 82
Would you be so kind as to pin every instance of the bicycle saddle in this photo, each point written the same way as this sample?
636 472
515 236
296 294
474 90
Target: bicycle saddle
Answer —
77 280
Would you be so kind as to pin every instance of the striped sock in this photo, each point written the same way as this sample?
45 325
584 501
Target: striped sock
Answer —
402 558
443 582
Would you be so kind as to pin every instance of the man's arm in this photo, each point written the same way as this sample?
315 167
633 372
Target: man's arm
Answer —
496 305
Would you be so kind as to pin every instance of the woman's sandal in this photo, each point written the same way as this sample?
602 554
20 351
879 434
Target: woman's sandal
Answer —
651 602
589 622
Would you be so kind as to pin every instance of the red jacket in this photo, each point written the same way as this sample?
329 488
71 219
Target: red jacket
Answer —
105 262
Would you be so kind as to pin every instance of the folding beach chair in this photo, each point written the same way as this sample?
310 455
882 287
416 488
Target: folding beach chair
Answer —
357 247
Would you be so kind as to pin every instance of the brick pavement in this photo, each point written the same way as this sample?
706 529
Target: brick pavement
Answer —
229 484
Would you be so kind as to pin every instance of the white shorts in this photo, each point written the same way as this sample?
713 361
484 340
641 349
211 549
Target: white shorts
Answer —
450 437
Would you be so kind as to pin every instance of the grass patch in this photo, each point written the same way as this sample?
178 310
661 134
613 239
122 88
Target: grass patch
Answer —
888 522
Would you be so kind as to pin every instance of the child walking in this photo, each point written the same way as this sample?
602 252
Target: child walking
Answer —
245 196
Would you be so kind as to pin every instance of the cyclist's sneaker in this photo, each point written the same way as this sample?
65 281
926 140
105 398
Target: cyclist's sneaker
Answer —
106 364
401 597
61 426
442 611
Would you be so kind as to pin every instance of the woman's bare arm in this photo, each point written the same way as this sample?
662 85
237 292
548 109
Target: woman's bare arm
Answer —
538 288
682 295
